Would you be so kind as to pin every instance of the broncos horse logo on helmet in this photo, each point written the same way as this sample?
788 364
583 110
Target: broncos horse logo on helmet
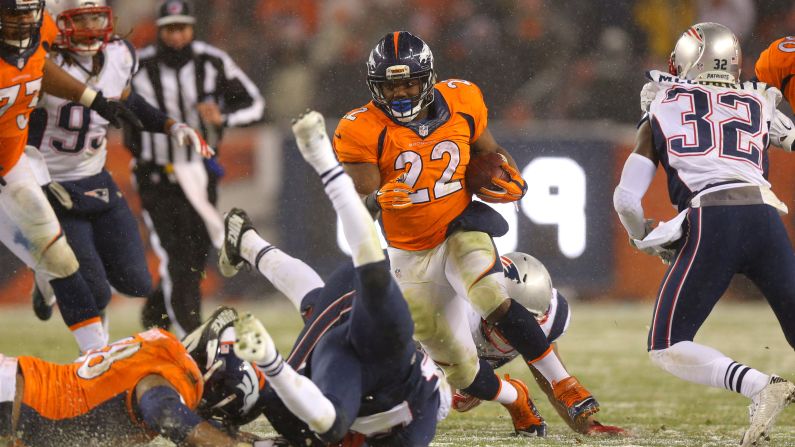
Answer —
400 56
20 22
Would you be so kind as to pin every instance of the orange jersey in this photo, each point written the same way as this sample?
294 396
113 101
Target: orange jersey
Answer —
434 155
90 402
19 93
776 67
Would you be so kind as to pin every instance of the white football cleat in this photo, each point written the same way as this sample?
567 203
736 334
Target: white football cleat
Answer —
310 135
765 407
254 343
236 222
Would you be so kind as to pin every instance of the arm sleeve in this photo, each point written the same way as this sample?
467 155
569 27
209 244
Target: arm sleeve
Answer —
164 412
243 102
635 181
153 119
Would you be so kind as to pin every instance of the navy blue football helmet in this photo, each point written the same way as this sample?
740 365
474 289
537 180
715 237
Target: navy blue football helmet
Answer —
397 56
20 21
231 394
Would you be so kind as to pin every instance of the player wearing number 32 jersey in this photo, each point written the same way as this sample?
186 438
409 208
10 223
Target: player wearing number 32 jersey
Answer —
711 134
408 151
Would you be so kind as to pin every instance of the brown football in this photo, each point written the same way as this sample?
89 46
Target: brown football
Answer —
482 169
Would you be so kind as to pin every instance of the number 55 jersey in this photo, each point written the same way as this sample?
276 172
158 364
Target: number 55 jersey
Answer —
708 135
90 402
433 153
71 137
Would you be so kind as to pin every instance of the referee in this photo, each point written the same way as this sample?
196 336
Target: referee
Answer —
200 85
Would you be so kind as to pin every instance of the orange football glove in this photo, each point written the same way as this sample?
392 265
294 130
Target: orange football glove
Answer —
510 190
394 195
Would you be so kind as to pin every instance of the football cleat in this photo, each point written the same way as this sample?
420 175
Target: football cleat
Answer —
463 402
204 343
313 143
527 421
765 407
578 401
42 305
236 222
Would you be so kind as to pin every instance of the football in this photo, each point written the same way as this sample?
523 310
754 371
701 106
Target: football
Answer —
482 169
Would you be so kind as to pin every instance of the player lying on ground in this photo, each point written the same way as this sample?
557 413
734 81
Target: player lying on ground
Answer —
711 133
94 216
528 283
124 394
362 370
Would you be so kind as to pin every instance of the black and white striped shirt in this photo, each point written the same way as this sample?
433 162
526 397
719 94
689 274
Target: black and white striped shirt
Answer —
210 75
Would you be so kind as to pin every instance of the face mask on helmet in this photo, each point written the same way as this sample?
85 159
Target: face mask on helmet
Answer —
231 393
20 21
707 52
85 30
401 64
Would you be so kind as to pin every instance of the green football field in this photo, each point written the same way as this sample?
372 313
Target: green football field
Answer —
605 348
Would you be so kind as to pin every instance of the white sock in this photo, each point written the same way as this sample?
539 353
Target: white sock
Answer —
90 334
289 275
357 225
508 393
551 368
707 366
301 396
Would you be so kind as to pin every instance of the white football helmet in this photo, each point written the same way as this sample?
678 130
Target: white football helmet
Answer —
527 281
85 26
707 52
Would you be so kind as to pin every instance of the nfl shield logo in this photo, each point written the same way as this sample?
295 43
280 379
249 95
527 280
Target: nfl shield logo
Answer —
423 130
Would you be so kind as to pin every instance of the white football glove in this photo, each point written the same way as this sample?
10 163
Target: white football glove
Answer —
666 255
254 343
310 135
188 136
782 131
647 95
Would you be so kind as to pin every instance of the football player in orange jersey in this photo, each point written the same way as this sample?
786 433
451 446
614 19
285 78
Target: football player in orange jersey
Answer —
126 393
407 151
776 67
28 225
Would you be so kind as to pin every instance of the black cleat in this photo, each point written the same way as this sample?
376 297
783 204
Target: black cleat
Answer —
236 222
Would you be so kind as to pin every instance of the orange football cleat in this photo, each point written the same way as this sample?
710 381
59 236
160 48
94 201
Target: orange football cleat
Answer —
578 401
526 419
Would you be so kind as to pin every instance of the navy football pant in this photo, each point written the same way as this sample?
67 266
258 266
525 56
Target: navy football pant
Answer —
105 240
721 241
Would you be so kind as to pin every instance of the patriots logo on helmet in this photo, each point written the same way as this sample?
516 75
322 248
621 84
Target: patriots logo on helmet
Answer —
510 270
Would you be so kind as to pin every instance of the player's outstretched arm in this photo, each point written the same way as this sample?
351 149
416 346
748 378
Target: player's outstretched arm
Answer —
163 411
58 82
154 120
639 170
310 135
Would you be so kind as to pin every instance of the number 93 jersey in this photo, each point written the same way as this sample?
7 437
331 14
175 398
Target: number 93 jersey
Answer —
709 134
19 94
71 137
433 154
90 402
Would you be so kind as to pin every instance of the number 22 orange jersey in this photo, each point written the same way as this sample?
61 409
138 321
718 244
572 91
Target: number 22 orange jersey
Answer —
19 93
90 402
434 155
776 67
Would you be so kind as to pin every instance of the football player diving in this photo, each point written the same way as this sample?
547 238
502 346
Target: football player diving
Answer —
355 367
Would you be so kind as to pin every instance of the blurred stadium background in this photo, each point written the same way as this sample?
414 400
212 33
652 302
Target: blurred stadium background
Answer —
561 78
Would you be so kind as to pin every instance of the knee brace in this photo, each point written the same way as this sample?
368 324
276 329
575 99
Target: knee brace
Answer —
57 260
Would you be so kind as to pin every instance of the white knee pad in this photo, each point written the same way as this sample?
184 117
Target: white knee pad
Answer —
8 378
58 260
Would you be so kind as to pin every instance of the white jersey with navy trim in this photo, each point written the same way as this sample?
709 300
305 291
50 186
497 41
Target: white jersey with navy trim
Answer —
495 349
707 133
74 140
